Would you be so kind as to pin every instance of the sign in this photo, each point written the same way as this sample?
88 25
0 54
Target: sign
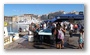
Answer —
5 23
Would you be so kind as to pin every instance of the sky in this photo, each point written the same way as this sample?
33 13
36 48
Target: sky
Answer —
39 9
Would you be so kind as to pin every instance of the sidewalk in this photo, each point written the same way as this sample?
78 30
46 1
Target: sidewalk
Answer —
22 43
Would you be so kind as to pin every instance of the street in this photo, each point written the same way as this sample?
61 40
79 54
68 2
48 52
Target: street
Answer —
23 43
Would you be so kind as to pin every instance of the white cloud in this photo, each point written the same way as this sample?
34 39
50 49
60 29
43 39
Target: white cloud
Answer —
20 11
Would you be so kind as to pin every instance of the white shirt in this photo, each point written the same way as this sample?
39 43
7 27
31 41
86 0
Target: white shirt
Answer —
71 27
62 34
54 24
44 26
62 24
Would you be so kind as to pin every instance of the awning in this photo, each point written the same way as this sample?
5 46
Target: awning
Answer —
66 17
71 16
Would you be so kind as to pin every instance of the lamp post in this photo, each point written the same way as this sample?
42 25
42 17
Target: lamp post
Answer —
48 16
10 25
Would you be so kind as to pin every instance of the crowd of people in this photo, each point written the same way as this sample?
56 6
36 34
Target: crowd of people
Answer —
58 30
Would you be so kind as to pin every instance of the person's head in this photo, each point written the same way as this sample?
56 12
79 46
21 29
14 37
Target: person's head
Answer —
81 31
20 28
58 27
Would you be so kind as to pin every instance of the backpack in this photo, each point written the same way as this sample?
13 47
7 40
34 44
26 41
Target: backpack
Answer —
59 35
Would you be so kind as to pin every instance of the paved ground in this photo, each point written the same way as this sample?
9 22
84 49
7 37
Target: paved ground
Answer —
23 43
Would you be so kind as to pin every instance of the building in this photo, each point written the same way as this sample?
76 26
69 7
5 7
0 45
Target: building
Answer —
44 17
8 18
51 15
28 18
14 18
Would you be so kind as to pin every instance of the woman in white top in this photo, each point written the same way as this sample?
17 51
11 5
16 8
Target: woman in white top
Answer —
60 38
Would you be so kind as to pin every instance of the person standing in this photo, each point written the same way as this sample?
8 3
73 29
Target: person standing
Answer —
60 38
75 28
71 29
81 39
44 25
20 29
54 34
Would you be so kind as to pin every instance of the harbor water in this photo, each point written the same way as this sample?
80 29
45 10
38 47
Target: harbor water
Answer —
14 27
